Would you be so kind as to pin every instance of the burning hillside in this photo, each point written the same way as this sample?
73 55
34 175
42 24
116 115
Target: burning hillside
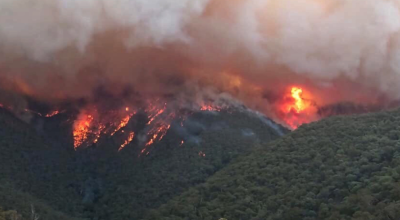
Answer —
290 60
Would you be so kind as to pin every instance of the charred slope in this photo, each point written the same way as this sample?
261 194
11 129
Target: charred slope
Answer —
101 183
338 168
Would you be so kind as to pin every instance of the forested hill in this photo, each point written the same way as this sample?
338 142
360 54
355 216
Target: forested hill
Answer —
30 172
344 168
39 167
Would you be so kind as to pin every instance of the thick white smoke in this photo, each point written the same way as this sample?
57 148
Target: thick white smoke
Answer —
66 48
42 28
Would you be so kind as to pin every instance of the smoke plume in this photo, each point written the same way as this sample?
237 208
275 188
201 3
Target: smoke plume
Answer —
250 50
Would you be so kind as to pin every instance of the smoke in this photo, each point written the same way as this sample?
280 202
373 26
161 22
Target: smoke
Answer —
340 50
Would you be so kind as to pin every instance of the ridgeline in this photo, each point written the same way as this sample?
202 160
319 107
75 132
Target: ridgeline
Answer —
338 168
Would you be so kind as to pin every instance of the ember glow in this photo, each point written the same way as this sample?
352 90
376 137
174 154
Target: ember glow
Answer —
157 133
82 129
94 124
279 57
129 140
91 126
295 109
209 108
299 104
123 123
154 116
52 114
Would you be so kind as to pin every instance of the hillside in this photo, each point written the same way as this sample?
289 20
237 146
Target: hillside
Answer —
338 168
101 183
29 166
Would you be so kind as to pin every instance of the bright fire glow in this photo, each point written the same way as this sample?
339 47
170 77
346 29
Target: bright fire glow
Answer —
81 130
159 112
296 109
299 104
129 140
209 108
88 129
122 124
158 133
51 114
92 125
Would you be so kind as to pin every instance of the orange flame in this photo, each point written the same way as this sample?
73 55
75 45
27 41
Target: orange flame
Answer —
52 114
129 140
81 130
155 116
97 133
122 124
209 108
91 125
297 110
158 133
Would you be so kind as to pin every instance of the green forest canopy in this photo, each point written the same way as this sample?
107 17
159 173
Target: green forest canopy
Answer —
338 168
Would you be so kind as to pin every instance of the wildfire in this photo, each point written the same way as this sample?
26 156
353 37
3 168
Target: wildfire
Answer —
92 124
159 112
129 140
299 104
158 133
122 124
296 109
89 129
52 114
209 108
98 132
81 130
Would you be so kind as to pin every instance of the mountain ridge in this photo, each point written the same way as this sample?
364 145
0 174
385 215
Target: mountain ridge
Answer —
90 179
337 168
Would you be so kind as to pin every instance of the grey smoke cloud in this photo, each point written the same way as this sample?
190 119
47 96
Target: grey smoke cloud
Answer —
73 46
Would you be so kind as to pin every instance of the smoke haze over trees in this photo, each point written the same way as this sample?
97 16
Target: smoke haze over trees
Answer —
55 50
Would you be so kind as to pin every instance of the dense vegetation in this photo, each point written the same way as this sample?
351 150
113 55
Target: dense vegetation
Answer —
9 215
38 161
345 168
31 171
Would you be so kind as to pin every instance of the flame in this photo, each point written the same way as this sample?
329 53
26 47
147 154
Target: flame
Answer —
122 124
129 140
81 130
158 133
299 104
92 125
159 112
296 109
97 132
209 108
52 114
